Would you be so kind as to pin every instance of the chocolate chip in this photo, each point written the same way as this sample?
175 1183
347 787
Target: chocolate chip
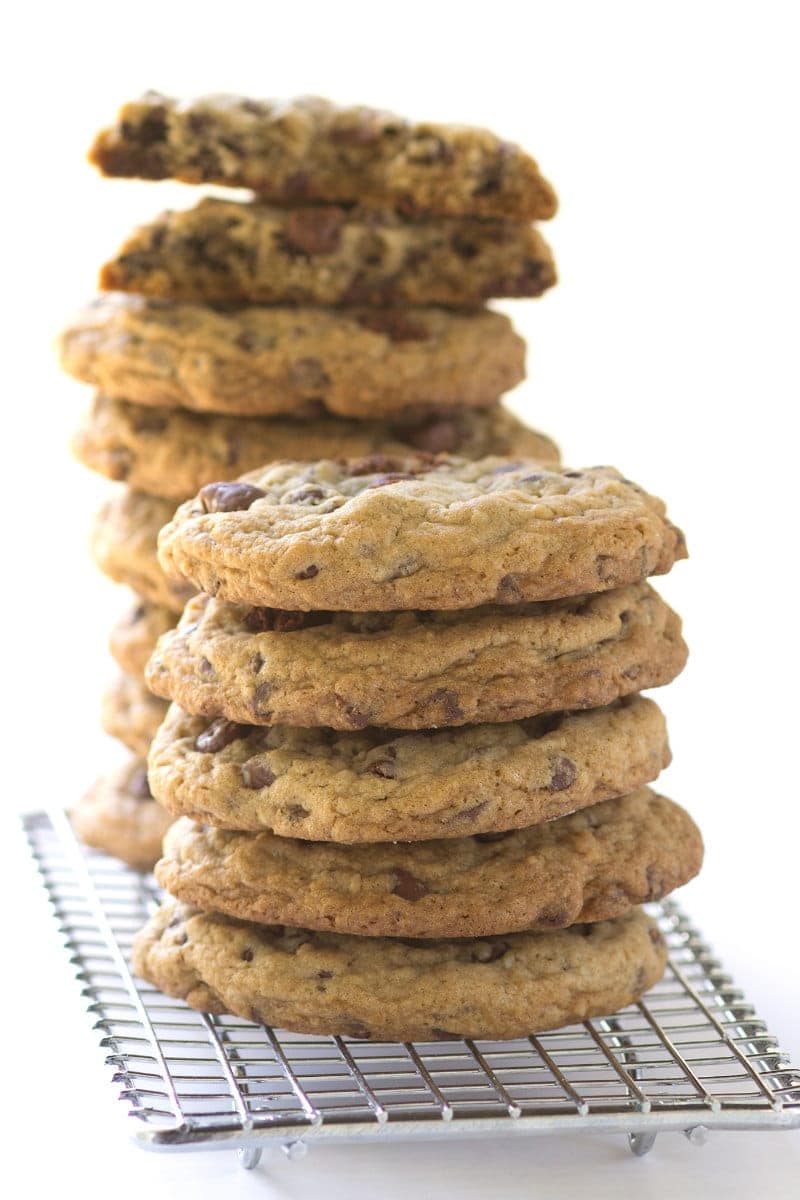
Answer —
308 374
605 566
304 495
372 464
314 230
384 768
308 573
151 129
261 695
296 812
563 774
205 668
355 717
655 936
407 886
229 497
440 437
449 702
554 918
492 179
508 590
199 122
469 814
444 1035
256 663
324 974
279 620
255 774
488 952
396 324
533 277
247 954
394 477
220 733
138 786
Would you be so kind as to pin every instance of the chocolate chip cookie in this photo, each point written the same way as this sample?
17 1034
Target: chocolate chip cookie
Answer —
308 149
416 669
134 637
393 990
123 544
224 251
119 816
588 866
171 452
132 714
408 533
378 785
296 362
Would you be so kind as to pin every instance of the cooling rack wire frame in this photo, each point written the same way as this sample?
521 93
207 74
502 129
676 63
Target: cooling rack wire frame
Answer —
692 1055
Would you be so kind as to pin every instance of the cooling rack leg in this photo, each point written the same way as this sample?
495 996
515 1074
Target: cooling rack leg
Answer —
249 1157
641 1143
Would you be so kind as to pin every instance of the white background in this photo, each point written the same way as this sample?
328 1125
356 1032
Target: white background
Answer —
671 133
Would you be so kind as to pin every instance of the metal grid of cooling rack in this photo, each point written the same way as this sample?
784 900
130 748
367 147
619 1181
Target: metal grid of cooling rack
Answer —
691 1056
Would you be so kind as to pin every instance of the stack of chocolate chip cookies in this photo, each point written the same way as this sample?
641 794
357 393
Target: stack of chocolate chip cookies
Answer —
406 752
340 314
407 749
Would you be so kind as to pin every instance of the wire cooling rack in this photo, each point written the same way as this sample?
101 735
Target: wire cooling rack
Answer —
692 1055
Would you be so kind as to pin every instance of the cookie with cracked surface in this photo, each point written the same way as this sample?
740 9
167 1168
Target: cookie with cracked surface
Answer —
308 149
416 670
171 452
379 785
134 637
132 714
296 362
411 533
589 866
123 545
225 251
393 990
119 816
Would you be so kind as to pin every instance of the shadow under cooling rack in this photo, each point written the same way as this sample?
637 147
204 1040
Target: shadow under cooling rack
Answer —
692 1055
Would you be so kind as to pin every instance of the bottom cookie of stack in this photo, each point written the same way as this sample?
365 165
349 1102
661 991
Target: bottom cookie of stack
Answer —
389 989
